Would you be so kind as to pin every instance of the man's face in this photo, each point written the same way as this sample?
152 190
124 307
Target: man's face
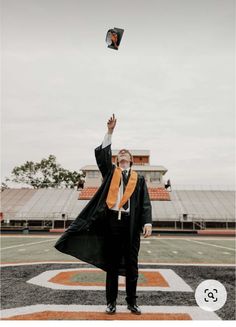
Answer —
124 159
114 37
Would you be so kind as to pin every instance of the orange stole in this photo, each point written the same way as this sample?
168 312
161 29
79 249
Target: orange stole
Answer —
114 188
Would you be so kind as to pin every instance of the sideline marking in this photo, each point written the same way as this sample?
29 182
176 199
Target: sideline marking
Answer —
29 236
195 312
159 238
26 244
12 264
217 246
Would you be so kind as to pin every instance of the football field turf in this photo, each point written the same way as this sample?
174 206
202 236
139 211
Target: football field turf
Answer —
38 282
212 250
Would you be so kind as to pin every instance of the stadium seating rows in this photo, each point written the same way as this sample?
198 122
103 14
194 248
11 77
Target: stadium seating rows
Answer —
52 203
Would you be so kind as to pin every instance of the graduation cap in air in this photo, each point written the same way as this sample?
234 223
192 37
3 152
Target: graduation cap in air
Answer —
113 37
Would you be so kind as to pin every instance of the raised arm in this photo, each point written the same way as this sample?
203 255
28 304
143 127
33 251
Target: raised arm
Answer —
103 153
111 124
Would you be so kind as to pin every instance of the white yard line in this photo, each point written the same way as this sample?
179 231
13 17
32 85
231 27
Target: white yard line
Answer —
29 236
12 264
158 238
187 264
26 244
217 246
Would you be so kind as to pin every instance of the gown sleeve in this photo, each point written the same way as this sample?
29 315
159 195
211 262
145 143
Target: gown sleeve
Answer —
103 157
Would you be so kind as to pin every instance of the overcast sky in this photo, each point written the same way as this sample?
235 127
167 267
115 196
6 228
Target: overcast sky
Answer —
170 84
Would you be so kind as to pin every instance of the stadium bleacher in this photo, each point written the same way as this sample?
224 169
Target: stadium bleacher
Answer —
58 206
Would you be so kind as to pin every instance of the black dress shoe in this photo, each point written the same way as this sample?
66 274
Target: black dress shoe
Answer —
134 309
111 308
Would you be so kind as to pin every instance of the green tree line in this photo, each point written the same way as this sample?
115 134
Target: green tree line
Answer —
46 173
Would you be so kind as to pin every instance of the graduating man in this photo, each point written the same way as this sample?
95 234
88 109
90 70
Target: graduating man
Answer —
107 231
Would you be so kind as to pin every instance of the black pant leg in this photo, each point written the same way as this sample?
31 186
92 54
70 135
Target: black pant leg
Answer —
131 265
111 286
115 249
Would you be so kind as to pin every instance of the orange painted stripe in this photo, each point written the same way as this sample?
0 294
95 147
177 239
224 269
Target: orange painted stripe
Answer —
65 315
153 279
64 278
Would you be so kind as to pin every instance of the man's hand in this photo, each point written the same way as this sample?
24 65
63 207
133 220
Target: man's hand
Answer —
147 231
111 124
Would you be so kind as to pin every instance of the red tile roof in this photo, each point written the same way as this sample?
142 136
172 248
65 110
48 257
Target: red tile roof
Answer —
155 193
87 193
158 193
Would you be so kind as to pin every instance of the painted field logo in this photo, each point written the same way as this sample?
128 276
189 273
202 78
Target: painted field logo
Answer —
210 295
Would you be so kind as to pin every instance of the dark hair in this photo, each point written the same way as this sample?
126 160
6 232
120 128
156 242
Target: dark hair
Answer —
118 35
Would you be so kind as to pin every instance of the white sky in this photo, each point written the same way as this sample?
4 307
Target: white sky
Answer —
171 83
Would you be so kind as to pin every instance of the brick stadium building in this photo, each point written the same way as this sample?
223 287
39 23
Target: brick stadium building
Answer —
177 210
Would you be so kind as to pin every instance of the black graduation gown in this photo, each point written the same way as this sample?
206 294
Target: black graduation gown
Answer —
85 237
